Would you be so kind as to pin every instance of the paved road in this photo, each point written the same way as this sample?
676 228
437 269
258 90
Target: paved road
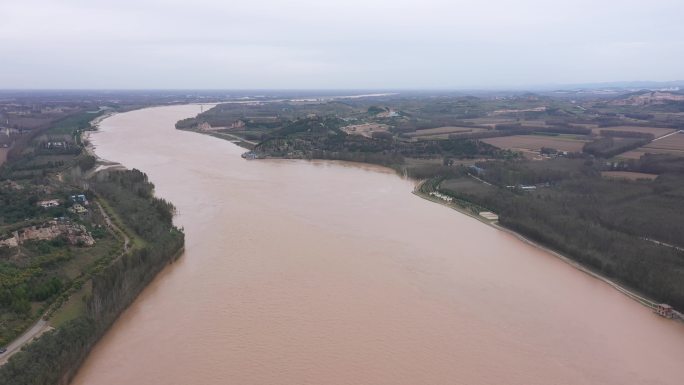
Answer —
235 137
665 136
114 227
35 331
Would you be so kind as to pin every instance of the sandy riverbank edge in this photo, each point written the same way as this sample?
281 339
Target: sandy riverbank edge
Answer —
495 224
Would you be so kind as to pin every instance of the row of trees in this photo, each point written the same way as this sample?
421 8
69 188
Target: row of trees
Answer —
610 146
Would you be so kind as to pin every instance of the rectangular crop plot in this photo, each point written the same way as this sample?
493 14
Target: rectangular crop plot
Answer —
673 142
536 142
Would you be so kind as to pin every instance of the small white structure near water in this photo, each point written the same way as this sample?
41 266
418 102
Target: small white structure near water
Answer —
489 215
441 196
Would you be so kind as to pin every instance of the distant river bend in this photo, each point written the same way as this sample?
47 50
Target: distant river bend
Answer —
316 273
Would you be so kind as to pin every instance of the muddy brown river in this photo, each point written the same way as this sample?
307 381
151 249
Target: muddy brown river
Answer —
317 273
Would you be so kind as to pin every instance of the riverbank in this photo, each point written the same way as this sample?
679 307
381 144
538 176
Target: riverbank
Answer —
631 293
335 270
114 285
405 171
149 241
60 177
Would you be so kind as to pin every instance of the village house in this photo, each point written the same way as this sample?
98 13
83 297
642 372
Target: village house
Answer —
204 126
56 145
664 310
78 209
236 125
74 233
48 203
79 198
479 171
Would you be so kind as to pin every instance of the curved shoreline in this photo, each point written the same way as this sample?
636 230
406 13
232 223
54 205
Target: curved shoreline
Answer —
449 278
643 300
495 224
115 283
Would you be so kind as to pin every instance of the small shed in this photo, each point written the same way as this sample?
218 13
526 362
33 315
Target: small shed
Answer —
664 310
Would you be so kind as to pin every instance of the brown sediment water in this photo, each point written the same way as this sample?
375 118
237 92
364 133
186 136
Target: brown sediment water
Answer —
301 272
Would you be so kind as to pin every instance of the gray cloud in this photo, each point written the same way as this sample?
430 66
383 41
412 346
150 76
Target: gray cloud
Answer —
336 44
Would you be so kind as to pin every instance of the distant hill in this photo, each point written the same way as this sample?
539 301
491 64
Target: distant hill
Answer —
646 97
674 85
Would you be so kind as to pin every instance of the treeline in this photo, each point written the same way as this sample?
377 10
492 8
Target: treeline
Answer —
627 134
511 129
616 122
133 196
598 222
389 160
655 270
558 128
426 122
309 127
186 123
657 164
611 146
55 357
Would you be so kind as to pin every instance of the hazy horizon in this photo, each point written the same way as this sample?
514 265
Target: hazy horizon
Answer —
351 45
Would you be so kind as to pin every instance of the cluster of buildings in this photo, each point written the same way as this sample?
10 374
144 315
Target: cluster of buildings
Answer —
441 196
74 233
664 310
78 209
79 204
78 200
389 113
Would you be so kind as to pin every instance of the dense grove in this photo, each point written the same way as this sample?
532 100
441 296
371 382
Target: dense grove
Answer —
599 222
321 138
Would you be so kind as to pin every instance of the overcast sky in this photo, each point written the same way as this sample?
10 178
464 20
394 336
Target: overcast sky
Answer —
306 44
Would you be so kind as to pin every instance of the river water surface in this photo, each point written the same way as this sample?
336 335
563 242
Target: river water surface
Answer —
322 273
